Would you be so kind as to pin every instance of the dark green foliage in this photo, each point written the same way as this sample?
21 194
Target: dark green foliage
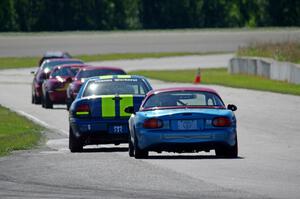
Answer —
58 15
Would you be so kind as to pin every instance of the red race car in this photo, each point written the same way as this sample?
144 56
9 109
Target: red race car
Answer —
85 73
55 87
54 55
43 72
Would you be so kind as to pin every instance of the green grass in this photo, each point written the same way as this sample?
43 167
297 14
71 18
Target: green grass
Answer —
16 132
220 76
284 51
25 62
18 62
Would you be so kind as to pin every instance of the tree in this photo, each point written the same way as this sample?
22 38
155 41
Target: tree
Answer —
7 16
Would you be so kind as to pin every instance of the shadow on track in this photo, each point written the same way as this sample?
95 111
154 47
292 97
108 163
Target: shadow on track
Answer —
105 150
189 157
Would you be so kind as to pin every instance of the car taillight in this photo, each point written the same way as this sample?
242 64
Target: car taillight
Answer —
83 110
221 122
153 123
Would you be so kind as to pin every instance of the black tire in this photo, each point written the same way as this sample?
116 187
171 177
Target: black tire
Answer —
68 103
74 143
47 101
139 153
228 152
37 100
32 99
43 102
130 148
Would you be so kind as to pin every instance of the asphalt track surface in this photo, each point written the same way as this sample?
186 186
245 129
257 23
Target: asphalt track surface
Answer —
228 40
267 167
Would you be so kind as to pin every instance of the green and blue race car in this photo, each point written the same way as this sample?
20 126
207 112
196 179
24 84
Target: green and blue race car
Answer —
97 116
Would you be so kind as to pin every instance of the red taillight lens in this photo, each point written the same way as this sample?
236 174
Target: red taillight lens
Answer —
153 123
82 110
221 122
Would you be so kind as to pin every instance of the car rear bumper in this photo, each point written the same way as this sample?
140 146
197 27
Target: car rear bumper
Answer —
100 132
186 141
58 97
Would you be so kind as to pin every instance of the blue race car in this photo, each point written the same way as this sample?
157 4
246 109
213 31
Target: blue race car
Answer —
97 116
183 120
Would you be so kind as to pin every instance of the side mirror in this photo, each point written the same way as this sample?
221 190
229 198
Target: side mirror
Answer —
232 107
129 109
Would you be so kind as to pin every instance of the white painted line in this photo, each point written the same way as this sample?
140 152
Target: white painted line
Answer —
35 119
38 121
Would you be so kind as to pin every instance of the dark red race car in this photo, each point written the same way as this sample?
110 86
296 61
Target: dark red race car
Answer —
55 87
85 73
54 55
43 72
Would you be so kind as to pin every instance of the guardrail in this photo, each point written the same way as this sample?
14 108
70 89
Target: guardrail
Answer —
265 67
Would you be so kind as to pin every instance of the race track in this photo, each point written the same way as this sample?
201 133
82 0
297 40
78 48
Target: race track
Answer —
225 40
267 167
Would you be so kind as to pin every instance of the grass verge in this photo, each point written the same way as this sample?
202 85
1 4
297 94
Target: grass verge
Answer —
284 51
220 76
25 62
17 132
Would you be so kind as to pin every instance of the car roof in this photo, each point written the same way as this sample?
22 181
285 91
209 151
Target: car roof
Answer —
172 89
70 65
117 77
89 67
56 54
62 59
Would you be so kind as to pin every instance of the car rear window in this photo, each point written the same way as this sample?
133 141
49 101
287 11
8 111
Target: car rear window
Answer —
65 71
183 98
99 72
115 87
52 64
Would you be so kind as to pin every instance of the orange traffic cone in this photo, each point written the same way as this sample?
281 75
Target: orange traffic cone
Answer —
197 79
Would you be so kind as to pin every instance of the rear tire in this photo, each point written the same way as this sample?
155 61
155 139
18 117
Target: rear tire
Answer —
35 99
68 103
74 143
228 151
47 101
139 153
32 99
130 148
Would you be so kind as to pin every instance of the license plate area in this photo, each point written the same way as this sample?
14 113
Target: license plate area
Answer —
118 129
186 125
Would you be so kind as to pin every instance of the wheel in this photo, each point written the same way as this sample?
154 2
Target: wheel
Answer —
131 148
68 102
35 99
74 144
43 101
32 99
228 152
47 101
139 153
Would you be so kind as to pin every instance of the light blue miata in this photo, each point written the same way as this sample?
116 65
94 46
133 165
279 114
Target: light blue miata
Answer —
183 120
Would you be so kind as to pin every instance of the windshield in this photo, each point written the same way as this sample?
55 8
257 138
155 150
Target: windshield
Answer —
52 64
99 72
115 87
183 98
65 71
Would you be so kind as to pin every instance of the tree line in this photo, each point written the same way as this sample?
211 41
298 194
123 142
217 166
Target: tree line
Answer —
60 15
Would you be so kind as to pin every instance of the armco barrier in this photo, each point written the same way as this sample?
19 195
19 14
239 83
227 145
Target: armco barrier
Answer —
264 67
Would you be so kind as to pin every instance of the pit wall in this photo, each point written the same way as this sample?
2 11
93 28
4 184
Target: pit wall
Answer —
268 68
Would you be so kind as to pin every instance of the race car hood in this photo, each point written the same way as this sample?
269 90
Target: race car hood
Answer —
109 106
